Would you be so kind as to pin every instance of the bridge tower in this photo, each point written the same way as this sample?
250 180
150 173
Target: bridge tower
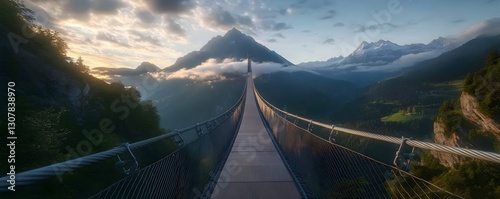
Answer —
249 63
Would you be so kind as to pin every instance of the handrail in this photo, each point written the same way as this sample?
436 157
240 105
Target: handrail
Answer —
31 176
472 153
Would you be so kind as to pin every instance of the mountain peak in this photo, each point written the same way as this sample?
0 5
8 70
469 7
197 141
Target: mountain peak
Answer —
147 67
440 42
233 31
236 34
363 44
233 45
375 45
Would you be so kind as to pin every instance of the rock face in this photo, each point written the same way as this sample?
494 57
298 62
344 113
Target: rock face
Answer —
477 120
470 110
454 139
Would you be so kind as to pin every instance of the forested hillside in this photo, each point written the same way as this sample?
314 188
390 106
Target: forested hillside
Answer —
469 122
62 113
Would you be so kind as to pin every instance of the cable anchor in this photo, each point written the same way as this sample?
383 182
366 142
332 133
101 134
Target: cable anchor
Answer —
178 139
310 126
199 131
332 137
402 160
128 166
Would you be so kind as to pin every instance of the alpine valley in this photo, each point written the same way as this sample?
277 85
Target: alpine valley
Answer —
381 87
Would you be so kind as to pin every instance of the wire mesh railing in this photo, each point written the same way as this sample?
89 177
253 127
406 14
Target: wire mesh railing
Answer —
471 153
328 170
185 173
204 143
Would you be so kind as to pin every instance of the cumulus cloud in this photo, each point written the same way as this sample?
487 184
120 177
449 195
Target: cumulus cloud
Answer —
382 27
170 6
281 26
489 27
329 41
107 6
338 24
218 18
145 16
78 9
329 15
271 40
274 26
174 28
81 9
279 35
144 37
111 38
283 11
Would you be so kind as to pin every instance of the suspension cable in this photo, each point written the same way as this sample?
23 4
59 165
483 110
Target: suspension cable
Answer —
32 176
472 153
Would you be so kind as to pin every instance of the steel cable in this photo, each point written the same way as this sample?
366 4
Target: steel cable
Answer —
333 171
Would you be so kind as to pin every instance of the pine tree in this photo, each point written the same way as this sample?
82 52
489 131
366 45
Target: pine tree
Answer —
468 83
468 79
80 66
445 108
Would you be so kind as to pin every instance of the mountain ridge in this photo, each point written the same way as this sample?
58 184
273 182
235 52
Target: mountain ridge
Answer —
381 52
233 45
143 68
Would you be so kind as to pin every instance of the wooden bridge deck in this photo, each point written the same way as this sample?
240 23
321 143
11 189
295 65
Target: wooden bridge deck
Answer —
254 169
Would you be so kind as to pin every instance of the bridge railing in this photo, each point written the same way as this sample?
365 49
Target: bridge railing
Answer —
472 153
195 144
325 169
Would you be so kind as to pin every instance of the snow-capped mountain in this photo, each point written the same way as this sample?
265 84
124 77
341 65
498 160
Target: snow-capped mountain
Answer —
382 52
329 62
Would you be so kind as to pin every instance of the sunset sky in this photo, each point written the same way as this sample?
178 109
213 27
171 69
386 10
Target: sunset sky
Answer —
124 33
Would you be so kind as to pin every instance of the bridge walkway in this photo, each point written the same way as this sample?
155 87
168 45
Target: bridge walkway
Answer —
254 169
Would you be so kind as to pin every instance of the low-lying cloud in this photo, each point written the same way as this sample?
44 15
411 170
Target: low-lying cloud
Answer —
209 70
403 62
220 70
489 27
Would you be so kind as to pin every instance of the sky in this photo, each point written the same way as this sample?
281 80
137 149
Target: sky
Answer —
124 33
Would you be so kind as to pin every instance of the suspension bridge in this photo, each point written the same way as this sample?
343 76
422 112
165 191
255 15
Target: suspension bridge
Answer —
256 150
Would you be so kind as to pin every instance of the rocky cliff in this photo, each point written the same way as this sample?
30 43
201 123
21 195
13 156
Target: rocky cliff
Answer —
456 139
471 119
470 110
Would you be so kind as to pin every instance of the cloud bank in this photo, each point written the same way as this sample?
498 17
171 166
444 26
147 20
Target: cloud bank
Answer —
403 62
219 70
489 27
